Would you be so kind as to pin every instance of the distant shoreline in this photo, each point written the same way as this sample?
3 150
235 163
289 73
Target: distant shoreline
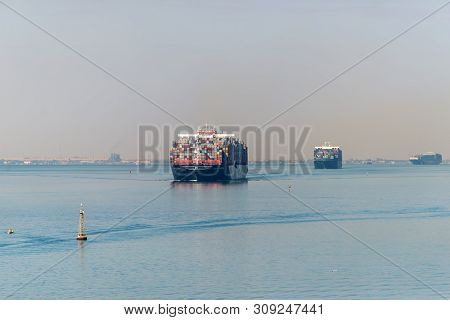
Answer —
26 163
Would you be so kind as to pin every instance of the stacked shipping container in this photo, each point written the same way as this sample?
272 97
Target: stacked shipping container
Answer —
207 148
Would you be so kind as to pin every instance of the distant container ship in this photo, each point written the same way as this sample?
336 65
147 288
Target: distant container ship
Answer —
429 158
327 157
208 155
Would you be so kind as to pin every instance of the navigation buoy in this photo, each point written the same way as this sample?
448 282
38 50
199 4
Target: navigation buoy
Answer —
81 235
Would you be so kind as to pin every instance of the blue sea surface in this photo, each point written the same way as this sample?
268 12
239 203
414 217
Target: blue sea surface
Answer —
363 232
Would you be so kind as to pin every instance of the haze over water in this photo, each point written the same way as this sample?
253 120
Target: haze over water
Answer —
226 241
225 63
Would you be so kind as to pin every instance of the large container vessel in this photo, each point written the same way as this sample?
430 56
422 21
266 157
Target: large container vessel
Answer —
429 158
327 157
208 155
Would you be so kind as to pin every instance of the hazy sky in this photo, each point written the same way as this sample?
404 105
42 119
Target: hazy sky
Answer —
223 62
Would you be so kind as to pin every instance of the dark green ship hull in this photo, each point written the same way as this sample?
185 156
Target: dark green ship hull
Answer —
328 164
209 173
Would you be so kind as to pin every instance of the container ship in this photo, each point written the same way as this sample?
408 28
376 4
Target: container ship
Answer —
327 157
208 155
429 158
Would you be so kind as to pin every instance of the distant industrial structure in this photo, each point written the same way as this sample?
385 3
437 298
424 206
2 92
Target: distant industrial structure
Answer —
114 157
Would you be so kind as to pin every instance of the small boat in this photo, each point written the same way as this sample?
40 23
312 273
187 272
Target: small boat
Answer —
10 231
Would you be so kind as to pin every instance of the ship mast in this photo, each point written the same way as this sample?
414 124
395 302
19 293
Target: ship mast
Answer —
81 235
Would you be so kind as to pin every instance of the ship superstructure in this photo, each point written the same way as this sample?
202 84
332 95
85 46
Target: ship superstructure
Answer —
327 157
208 155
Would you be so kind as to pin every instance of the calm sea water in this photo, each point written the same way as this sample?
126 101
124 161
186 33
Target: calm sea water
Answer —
225 241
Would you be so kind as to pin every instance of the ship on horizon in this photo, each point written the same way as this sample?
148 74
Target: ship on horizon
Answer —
208 155
428 158
327 157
